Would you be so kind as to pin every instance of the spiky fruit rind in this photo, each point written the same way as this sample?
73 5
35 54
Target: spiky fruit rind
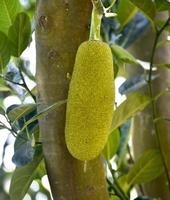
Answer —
90 101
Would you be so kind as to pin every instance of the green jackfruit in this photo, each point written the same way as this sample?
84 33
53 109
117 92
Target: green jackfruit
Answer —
90 101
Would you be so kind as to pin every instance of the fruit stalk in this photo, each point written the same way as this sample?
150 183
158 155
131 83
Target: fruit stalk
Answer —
97 13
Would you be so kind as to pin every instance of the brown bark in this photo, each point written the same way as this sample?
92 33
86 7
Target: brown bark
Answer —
143 132
61 26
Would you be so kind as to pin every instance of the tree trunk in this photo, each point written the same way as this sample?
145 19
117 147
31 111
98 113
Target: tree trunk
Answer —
142 127
61 25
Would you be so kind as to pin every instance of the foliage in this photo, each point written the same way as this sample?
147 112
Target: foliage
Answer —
16 27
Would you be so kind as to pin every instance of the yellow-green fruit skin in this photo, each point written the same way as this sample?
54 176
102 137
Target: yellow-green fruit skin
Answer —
90 101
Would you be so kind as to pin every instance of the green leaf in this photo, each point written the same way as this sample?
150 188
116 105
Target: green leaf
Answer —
3 86
20 111
125 11
160 24
148 167
121 54
2 111
134 103
135 83
162 5
33 91
44 112
112 145
2 127
116 69
4 50
162 43
23 177
114 198
23 154
147 7
161 93
122 180
122 151
21 139
8 12
19 34
166 65
41 171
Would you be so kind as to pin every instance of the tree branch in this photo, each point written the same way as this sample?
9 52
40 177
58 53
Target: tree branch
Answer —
25 85
154 115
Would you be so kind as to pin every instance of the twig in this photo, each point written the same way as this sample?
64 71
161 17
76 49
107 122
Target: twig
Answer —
25 85
115 189
20 84
122 194
133 162
16 83
130 155
111 5
158 33
11 129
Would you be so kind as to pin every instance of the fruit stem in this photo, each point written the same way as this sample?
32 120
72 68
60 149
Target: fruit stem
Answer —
97 14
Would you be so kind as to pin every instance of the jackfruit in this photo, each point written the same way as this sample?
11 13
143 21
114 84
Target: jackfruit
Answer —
90 101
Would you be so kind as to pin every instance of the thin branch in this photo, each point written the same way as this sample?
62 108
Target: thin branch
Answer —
154 115
159 32
16 83
11 129
20 84
15 134
130 155
122 194
133 162
111 5
25 85
115 189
